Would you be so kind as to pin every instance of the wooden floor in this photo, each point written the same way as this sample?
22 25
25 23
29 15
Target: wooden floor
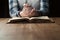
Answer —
34 31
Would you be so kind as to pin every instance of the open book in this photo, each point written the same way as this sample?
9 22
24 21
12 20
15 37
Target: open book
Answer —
28 19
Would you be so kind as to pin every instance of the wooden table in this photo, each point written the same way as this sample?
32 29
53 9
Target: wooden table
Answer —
30 31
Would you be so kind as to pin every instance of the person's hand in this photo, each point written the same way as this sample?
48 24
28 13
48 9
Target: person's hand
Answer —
33 12
27 11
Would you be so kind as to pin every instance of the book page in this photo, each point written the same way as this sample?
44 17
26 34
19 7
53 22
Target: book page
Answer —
17 18
20 18
41 17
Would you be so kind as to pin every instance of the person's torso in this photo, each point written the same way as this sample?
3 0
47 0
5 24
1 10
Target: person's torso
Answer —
33 3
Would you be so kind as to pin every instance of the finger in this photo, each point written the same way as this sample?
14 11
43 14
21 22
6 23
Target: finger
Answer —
33 10
26 5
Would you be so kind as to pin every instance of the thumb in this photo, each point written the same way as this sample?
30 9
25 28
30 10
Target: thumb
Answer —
33 10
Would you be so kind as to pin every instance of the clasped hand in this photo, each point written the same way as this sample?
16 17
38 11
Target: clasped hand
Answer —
27 11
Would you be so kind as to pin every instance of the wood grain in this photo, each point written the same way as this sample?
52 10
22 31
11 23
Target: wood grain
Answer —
30 31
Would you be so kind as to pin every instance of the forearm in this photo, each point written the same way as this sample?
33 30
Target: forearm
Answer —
13 8
44 7
14 13
43 12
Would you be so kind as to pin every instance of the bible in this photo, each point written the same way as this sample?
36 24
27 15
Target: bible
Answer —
30 19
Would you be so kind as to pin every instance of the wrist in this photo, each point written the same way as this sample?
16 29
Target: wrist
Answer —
19 14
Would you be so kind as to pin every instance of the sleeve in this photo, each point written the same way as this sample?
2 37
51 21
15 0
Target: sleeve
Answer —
13 8
44 7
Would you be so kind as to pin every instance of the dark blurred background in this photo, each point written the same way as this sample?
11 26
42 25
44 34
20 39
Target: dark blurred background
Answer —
4 9
54 8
